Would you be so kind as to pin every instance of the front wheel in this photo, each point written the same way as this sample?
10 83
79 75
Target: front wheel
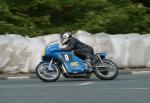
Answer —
106 71
47 73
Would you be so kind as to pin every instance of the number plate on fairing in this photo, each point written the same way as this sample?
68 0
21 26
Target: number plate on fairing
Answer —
67 57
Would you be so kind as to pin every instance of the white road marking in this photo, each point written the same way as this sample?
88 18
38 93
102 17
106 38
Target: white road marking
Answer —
81 84
19 77
32 86
44 86
86 83
140 72
124 88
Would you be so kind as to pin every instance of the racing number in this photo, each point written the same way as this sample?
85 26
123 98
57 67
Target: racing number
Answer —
66 57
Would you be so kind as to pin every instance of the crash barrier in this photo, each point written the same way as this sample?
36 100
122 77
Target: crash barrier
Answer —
20 54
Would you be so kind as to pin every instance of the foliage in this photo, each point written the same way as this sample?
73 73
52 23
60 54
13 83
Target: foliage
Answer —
40 17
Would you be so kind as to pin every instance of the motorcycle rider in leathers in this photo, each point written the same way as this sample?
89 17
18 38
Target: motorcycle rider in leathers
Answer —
80 49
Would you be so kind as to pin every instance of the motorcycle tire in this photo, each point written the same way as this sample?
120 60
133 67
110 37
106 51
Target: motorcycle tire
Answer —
44 78
104 75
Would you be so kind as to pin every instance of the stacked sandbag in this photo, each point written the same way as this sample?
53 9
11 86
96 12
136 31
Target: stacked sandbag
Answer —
22 54
15 53
126 50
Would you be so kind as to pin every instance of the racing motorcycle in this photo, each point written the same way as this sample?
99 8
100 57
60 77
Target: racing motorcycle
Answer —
55 62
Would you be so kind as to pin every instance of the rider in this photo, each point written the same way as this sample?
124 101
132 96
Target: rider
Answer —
81 50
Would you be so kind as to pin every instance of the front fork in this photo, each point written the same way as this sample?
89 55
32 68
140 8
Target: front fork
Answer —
50 64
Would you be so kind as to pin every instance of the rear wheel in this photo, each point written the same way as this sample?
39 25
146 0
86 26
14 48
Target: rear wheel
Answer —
47 73
106 71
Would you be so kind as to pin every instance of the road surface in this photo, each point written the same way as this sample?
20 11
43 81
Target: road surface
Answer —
125 89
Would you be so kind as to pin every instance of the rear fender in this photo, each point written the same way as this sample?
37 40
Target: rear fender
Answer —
102 55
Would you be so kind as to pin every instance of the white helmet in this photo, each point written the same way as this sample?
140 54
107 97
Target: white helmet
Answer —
65 37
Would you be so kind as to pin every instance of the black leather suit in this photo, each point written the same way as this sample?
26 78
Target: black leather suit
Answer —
81 50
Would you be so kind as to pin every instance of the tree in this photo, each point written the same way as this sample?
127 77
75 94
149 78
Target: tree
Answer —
40 17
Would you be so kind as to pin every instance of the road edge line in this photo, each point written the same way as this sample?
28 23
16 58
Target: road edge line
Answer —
140 72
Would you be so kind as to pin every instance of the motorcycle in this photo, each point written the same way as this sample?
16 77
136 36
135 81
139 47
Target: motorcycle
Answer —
55 62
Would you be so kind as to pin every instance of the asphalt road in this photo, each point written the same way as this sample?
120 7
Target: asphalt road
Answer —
125 89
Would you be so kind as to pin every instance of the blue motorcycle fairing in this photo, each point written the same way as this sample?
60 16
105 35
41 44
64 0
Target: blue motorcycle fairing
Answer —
72 63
